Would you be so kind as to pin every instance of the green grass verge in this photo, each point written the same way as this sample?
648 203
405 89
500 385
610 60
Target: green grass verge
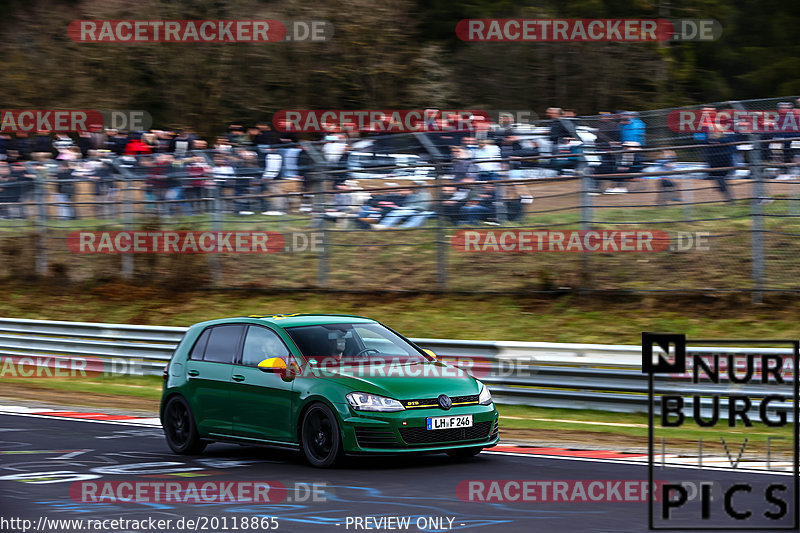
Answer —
146 387
635 425
563 319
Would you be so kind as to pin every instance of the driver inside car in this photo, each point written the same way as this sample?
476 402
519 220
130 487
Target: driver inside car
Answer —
338 343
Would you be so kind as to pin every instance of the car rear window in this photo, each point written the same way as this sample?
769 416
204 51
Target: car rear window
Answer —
200 346
223 343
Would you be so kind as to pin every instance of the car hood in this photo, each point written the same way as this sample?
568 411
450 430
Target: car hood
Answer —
408 381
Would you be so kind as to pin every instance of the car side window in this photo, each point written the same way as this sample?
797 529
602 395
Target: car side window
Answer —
200 346
223 343
262 343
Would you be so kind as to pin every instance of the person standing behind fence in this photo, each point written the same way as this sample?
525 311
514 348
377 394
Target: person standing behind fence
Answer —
269 184
197 172
4 140
488 170
632 128
84 143
65 190
7 190
43 146
307 176
247 171
224 173
265 136
557 128
668 189
137 147
629 162
608 137
20 188
463 168
176 176
182 143
718 155
158 180
22 145
99 173
118 142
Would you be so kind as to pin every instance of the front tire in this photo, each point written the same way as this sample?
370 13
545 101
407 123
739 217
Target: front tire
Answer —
180 429
464 453
320 436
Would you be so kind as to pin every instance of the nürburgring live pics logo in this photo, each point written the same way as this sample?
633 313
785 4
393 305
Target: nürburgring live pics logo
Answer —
702 390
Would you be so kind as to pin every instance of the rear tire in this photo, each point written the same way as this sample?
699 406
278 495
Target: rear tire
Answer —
180 428
320 436
464 453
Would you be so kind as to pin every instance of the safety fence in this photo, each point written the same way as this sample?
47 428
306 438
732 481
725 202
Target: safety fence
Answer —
542 374
408 213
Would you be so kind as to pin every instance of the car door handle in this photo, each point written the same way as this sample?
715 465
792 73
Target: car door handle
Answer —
237 377
193 372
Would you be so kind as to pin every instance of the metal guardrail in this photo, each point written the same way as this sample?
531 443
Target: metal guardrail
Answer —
542 374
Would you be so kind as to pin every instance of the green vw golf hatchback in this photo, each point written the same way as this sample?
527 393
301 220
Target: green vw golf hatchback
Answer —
326 385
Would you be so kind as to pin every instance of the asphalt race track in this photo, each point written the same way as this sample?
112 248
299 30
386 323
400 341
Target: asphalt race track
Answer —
41 457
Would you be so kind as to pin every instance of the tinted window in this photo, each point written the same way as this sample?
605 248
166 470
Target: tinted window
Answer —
200 345
365 341
262 343
222 343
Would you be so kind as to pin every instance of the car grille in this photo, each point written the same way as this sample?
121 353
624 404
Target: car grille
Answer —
421 435
434 402
368 437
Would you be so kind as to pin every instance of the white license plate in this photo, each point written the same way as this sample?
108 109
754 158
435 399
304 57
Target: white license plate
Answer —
448 422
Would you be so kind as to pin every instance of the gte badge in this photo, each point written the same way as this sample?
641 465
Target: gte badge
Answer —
722 433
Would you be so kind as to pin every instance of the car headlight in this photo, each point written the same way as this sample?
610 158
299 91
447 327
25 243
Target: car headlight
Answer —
485 397
361 401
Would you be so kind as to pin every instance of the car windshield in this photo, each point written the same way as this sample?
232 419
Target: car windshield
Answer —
353 343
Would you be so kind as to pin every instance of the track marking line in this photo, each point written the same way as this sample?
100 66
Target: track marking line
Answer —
640 463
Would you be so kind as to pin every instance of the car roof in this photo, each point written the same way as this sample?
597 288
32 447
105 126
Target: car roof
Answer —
296 319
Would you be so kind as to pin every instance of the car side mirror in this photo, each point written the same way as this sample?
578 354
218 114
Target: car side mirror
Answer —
273 364
430 352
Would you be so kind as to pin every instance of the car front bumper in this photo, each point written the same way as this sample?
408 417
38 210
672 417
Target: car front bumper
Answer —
406 431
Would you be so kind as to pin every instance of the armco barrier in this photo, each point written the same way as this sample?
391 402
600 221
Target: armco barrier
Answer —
543 374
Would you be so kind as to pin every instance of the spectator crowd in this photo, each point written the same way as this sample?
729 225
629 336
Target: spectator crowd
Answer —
248 170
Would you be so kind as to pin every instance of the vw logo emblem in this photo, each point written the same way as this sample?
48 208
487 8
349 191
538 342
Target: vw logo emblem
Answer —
445 402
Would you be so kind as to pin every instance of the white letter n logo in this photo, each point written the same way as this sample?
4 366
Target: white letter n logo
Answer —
662 364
